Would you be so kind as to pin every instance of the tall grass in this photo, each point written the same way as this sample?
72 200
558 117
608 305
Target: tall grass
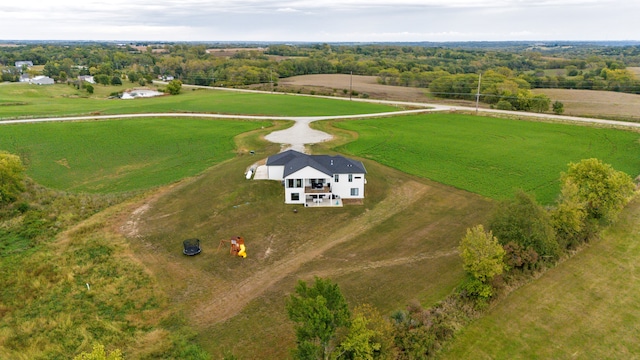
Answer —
489 156
62 292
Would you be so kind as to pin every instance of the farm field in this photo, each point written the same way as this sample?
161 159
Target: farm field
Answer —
585 308
362 84
23 100
489 156
122 155
599 104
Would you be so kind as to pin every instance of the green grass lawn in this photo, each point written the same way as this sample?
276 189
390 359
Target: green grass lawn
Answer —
489 156
122 155
586 308
24 100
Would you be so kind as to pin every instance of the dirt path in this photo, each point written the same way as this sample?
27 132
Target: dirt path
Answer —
226 303
335 272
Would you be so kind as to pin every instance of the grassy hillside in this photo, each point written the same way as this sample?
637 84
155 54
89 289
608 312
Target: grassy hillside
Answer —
400 245
489 156
122 155
585 308
23 100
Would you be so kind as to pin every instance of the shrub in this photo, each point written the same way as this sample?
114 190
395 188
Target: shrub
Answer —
504 105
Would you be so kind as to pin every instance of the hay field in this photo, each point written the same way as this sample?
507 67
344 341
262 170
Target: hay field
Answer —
601 104
589 103
361 84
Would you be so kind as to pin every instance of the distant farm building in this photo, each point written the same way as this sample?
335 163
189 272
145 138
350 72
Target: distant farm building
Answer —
87 78
42 80
20 64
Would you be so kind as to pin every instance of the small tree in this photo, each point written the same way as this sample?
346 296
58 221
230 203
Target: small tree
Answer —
370 336
115 80
482 255
174 87
523 221
540 103
504 105
11 177
318 312
603 190
558 107
89 88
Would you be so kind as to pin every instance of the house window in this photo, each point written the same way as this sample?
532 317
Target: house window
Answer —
355 191
295 196
294 183
350 177
336 177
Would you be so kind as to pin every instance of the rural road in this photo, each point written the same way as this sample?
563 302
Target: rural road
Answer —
300 134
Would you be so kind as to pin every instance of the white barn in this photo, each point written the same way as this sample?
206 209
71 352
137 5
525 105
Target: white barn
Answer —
317 180
42 80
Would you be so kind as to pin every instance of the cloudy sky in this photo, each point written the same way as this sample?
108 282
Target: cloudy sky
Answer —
320 20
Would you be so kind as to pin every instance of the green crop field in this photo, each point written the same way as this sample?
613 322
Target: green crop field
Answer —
489 156
121 155
23 100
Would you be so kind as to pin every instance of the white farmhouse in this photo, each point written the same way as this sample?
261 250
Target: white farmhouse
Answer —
87 78
27 64
42 80
317 180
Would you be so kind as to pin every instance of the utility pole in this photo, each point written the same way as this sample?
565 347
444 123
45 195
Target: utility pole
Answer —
478 93
271 80
350 85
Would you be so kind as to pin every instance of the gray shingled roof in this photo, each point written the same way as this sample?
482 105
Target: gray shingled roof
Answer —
330 165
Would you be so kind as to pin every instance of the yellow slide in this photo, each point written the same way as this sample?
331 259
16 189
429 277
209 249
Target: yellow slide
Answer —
242 251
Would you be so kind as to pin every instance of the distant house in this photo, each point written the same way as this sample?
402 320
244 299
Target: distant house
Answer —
25 78
20 64
87 78
42 80
317 180
166 77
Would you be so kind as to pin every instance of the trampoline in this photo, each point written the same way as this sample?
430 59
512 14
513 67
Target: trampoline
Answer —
191 247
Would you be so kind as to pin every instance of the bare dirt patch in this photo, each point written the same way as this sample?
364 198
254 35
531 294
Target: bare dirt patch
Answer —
339 83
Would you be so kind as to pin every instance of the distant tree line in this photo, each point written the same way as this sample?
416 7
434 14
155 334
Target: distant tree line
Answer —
449 72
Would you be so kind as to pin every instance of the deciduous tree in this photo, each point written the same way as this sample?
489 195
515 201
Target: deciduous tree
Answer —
523 221
603 190
482 255
174 87
318 311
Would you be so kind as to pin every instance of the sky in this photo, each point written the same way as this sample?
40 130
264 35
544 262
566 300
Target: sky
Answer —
320 20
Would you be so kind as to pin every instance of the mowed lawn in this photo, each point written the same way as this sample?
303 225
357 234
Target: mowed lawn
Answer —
489 156
122 155
23 100
586 308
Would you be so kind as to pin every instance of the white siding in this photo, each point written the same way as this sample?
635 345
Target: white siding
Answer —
343 187
276 172
308 173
